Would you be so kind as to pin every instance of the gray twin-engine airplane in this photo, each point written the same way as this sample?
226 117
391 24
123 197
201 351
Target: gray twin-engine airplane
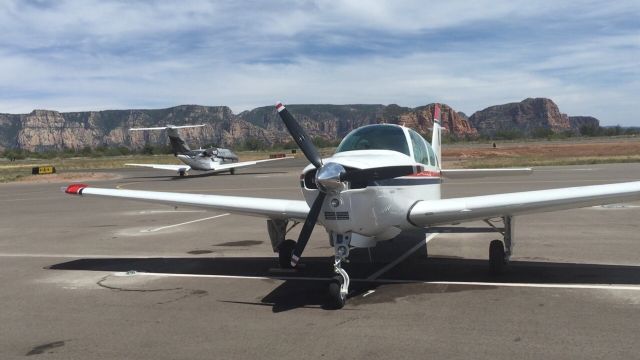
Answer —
214 160
382 179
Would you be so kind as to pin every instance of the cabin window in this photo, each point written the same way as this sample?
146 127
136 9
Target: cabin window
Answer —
420 152
376 137
432 155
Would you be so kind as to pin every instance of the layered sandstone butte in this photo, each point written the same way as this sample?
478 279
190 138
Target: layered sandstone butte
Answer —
333 122
524 117
578 122
50 130
43 130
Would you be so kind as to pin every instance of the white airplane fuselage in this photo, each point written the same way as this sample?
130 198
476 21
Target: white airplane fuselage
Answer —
375 211
204 163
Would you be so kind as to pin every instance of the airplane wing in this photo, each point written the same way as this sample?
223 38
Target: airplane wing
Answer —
479 173
262 207
448 211
177 168
246 163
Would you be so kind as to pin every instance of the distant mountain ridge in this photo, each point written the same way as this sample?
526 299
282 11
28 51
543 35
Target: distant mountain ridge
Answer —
43 130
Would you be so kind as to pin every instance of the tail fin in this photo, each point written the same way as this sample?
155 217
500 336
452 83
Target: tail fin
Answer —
178 145
436 139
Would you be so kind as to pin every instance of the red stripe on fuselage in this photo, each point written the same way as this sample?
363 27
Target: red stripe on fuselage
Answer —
425 173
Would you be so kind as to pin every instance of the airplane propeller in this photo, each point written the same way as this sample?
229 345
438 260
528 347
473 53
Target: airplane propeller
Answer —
330 177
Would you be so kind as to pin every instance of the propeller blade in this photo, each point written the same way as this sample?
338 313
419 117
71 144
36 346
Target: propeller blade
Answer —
300 137
307 228
381 173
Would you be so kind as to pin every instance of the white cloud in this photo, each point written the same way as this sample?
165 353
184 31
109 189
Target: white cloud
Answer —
82 55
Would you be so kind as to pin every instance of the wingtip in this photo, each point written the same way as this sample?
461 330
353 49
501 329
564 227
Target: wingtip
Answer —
75 189
279 106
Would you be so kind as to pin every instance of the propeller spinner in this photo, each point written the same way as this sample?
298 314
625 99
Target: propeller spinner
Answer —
330 177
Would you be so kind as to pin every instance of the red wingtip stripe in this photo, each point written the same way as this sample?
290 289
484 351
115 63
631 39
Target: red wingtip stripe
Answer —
75 189
279 106
436 112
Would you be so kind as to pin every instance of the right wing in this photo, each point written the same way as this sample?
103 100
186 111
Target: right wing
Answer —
268 208
177 168
427 213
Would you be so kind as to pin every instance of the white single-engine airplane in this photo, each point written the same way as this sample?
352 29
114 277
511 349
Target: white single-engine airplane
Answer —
214 159
382 179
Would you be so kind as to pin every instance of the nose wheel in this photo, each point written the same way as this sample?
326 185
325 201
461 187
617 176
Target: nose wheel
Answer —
284 253
338 287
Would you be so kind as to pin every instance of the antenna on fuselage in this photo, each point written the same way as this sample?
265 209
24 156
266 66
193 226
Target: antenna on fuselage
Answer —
436 138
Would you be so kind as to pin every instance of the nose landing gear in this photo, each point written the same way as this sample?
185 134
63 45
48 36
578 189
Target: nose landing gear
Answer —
339 285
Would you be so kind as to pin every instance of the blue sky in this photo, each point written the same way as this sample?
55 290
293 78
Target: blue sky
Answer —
96 55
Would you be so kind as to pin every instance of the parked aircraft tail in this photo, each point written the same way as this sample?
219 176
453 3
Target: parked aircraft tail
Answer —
178 145
436 139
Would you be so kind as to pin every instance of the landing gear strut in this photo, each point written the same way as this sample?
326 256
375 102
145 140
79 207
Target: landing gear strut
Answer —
339 285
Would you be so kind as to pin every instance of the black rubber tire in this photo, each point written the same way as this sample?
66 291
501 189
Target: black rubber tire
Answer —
232 171
336 299
284 253
496 257
182 173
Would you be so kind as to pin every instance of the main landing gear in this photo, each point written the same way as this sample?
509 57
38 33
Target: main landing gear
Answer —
500 251
182 173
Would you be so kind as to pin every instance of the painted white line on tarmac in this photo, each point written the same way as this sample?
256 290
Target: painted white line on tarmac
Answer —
184 223
402 257
385 281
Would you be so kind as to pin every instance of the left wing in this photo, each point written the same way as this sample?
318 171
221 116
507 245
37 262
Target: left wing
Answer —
246 163
426 213
268 208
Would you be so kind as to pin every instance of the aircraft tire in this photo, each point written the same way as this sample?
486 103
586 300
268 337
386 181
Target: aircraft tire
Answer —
284 253
496 257
336 298
232 171
182 173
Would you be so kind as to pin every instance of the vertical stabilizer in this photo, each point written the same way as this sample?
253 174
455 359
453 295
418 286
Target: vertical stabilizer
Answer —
436 138
178 145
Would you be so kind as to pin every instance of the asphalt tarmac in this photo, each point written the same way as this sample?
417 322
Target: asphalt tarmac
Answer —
95 278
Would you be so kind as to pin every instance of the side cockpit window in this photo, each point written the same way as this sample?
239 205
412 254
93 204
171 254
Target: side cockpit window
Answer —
420 152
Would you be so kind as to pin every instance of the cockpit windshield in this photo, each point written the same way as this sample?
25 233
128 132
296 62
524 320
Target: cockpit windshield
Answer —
376 137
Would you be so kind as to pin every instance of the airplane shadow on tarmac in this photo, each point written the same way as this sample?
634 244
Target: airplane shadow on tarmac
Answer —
307 286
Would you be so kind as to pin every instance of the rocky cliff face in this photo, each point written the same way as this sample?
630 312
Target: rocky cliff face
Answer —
579 121
44 129
525 117
333 122
421 119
